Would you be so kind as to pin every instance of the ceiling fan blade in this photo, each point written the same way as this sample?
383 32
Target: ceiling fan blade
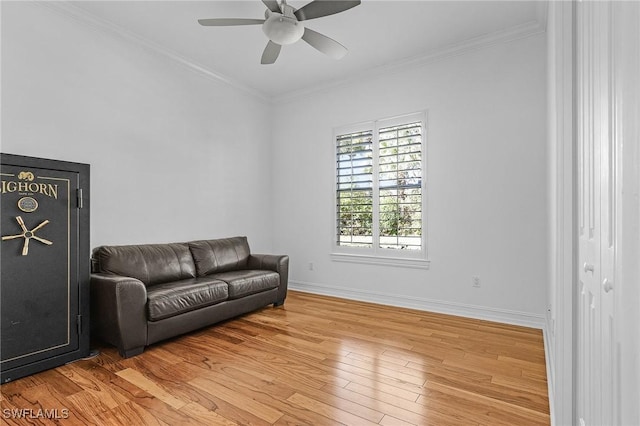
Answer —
324 44
272 5
226 22
270 53
319 8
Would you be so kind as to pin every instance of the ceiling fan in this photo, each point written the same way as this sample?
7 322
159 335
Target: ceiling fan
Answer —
283 25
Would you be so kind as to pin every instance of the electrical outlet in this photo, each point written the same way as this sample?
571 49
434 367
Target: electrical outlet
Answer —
311 266
475 281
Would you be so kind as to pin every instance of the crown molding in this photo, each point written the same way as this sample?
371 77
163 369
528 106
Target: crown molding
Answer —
528 29
542 13
525 30
79 15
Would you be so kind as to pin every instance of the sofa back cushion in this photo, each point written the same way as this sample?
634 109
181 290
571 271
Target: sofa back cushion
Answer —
150 263
225 254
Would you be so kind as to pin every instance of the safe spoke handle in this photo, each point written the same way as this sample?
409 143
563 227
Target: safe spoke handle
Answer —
27 235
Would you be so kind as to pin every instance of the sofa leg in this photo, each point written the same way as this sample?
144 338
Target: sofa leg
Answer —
130 352
278 303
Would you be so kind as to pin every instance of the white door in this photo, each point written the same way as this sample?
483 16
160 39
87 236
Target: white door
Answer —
626 286
607 281
596 351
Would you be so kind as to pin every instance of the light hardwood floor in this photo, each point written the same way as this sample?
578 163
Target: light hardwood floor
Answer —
316 360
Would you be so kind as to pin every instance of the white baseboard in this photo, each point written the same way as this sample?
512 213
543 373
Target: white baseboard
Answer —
550 372
452 308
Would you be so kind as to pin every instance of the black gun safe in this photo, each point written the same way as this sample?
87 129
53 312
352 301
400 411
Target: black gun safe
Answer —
44 278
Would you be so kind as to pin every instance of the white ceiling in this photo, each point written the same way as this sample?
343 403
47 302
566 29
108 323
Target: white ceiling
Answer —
379 35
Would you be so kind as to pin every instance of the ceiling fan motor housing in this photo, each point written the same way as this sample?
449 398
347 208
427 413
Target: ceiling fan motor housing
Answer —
282 29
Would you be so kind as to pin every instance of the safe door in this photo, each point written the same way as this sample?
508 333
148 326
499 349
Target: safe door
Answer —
43 288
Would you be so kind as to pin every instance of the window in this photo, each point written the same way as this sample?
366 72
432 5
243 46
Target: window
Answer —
380 189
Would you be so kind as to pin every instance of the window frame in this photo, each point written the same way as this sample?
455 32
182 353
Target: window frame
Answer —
376 254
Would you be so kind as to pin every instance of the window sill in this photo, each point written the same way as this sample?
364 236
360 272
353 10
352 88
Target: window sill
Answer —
381 260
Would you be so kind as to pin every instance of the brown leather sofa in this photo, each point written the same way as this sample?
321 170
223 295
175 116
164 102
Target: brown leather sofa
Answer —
142 294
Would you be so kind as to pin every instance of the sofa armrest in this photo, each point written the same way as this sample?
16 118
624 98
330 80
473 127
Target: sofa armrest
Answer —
118 313
277 263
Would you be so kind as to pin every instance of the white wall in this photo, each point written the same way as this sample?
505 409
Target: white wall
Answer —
486 183
174 156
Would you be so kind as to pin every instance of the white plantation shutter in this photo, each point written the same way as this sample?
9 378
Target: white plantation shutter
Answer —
354 206
379 187
400 186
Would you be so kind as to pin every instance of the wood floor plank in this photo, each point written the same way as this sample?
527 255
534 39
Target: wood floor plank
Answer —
521 384
317 360
46 397
92 385
127 414
482 407
138 379
392 421
393 396
206 417
252 406
390 360
330 411
407 411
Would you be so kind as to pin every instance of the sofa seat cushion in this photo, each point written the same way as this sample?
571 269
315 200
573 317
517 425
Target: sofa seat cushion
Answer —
246 282
170 299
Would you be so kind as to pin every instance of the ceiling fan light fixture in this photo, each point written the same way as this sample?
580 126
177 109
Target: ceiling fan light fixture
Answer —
282 29
282 24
